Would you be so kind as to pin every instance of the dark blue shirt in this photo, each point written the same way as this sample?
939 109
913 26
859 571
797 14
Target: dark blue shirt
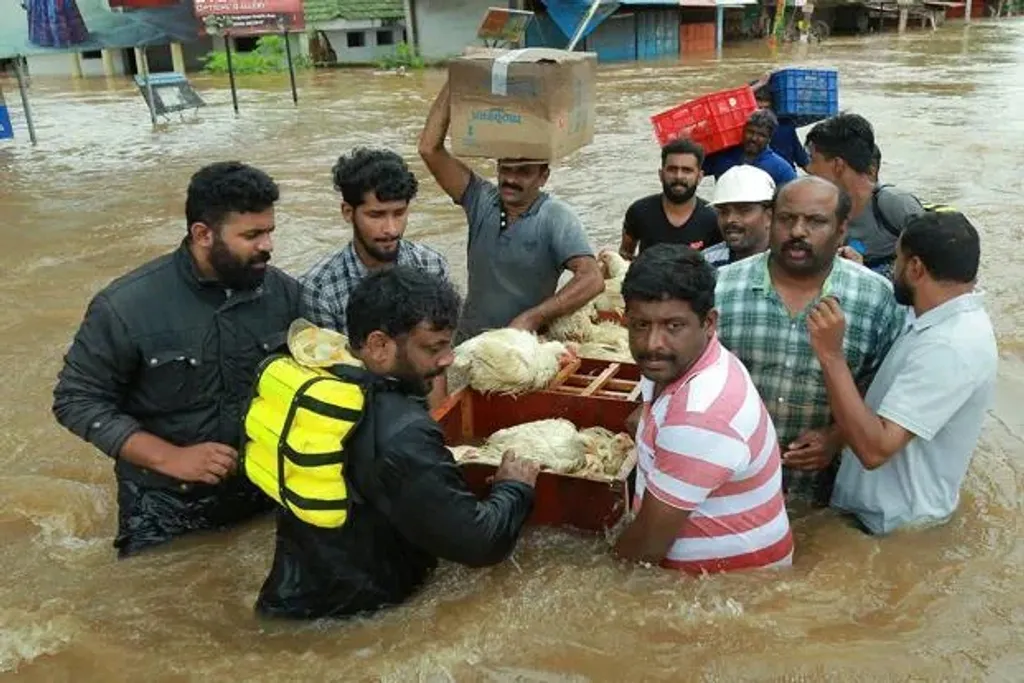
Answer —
787 145
768 161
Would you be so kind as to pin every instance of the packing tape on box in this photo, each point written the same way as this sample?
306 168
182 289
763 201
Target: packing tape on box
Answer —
499 72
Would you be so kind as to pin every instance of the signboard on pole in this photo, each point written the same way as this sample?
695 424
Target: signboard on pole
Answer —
6 129
250 17
504 25
168 92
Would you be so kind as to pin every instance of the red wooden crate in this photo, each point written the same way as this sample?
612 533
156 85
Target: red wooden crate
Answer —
588 393
714 121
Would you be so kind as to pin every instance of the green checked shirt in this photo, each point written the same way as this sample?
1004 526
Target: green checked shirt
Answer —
755 325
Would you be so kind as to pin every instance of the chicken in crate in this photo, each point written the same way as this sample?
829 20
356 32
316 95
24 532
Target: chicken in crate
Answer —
575 427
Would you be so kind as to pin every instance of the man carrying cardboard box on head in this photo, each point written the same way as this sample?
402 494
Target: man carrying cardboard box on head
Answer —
520 238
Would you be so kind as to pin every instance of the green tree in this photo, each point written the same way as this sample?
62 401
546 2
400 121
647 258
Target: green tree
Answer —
268 57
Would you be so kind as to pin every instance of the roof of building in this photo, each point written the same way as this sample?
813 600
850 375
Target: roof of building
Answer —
328 10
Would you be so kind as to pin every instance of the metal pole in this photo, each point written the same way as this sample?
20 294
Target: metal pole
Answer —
291 66
411 38
24 99
144 67
582 26
719 28
231 72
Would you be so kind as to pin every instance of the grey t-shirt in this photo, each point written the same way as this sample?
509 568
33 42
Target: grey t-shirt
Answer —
937 382
897 207
515 269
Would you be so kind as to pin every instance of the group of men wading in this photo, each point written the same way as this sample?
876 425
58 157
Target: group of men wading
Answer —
776 367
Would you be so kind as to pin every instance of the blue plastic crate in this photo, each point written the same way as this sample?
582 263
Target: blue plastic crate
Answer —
809 94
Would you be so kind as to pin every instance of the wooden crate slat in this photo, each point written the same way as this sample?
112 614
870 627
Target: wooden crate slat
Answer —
601 379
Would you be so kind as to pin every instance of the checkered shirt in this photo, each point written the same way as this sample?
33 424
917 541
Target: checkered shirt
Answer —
327 286
756 326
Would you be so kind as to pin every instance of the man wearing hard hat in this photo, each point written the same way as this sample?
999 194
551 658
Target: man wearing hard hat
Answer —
743 199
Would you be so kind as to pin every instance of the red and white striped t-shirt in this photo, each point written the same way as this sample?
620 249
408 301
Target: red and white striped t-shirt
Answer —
707 445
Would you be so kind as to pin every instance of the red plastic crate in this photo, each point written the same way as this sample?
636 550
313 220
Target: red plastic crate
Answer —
713 121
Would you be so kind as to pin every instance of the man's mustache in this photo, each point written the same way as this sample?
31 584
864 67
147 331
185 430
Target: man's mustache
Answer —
655 357
512 186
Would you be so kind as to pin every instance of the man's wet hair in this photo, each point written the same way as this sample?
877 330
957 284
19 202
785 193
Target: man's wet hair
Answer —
844 202
947 244
380 171
876 160
766 119
671 271
846 136
396 300
682 146
226 187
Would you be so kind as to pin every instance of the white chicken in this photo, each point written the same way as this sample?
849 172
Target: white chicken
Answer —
506 361
575 327
613 265
614 268
594 452
606 341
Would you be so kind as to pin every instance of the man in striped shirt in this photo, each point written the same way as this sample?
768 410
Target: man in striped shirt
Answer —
709 478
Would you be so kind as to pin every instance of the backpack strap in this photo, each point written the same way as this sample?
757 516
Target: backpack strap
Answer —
880 217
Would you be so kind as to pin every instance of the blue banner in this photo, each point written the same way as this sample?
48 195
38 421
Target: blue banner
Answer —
569 14
6 129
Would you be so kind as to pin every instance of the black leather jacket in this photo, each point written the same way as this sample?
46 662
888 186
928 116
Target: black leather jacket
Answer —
409 506
163 351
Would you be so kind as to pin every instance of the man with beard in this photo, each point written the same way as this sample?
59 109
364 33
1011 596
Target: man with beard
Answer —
763 304
754 150
376 187
676 215
161 369
520 238
408 502
708 484
743 200
911 438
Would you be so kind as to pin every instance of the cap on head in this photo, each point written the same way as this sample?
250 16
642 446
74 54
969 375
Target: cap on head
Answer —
744 184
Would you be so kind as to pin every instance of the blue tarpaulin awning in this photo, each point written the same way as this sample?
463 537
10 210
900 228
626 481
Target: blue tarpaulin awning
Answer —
569 14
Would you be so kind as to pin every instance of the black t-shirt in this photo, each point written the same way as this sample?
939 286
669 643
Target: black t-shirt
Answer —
647 223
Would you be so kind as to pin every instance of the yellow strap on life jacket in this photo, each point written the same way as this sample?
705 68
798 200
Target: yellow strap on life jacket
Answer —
295 431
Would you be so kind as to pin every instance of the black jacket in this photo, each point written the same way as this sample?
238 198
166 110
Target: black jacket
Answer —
411 506
163 351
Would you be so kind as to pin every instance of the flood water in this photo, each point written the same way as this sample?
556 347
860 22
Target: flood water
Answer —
103 192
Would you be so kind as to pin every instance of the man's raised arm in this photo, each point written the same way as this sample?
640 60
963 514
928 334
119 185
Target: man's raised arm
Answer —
451 174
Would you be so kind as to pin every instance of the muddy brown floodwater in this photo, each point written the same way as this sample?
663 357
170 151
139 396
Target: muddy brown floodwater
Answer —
103 193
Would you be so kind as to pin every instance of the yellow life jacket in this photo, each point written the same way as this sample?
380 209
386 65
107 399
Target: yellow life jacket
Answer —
295 432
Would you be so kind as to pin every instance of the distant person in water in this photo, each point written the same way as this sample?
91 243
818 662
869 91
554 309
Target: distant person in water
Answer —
55 23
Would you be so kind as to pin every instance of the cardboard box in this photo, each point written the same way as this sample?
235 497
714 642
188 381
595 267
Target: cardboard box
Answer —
535 103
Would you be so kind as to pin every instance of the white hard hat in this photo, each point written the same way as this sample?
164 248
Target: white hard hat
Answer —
744 184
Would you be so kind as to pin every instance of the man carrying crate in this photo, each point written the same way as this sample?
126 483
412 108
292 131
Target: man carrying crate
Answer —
761 126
